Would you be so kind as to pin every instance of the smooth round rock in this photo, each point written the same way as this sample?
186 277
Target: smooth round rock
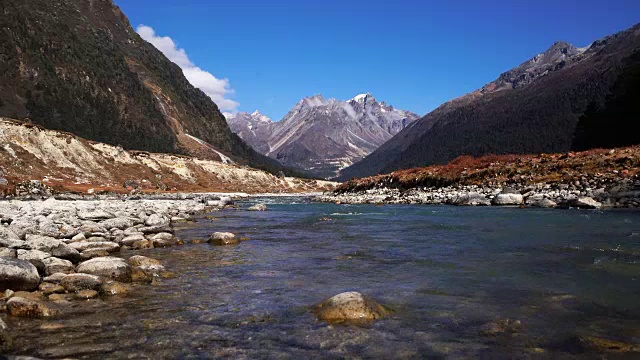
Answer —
16 274
78 282
223 238
349 307
108 267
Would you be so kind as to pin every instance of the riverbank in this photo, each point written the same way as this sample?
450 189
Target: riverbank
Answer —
71 248
591 179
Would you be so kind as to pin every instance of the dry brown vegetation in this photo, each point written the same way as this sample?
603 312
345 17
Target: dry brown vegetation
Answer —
604 164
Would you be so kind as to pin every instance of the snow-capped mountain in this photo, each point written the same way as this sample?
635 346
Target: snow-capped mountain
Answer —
322 136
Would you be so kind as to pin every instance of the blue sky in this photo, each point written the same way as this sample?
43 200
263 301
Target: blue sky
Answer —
415 55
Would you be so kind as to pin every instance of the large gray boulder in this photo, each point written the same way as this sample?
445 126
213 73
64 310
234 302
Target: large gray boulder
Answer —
16 274
9 239
471 199
108 266
540 201
91 245
584 202
94 215
54 265
52 246
117 223
508 199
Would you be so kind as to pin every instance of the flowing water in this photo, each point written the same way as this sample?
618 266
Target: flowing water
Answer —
463 282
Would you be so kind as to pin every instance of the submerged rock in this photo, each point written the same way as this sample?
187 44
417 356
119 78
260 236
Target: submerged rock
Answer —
86 294
112 288
108 267
16 274
139 260
502 326
21 307
224 238
349 307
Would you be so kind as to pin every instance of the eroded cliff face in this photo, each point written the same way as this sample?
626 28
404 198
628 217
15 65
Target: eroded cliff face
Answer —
69 163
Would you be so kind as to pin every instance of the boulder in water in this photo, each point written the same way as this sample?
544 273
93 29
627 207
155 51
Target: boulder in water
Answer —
258 207
223 238
108 267
350 307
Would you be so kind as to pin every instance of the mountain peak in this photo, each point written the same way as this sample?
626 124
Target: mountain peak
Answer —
361 98
260 117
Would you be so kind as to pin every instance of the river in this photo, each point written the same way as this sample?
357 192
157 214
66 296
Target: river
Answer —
463 282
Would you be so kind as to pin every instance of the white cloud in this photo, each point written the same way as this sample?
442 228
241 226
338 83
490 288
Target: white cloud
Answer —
217 89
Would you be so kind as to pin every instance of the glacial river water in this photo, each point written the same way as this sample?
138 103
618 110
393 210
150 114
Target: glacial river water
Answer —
464 282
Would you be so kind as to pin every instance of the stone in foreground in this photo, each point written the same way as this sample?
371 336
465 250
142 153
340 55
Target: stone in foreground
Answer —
349 307
223 238
108 266
16 274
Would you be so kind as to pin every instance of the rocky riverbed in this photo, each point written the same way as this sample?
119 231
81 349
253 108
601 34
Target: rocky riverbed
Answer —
65 249
588 194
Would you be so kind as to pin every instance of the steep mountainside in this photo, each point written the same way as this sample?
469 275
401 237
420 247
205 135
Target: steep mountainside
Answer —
533 108
78 66
322 136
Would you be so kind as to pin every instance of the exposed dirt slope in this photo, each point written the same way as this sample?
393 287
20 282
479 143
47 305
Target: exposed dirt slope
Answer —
70 163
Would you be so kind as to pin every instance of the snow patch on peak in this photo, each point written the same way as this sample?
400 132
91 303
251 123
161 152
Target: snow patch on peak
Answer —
360 97
228 115
260 117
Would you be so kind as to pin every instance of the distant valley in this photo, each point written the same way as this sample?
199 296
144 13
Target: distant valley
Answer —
322 136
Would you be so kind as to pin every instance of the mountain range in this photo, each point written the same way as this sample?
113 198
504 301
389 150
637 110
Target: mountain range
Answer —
564 98
322 136
79 66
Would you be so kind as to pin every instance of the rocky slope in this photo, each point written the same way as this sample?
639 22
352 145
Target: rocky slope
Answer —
255 128
78 66
33 159
589 179
532 108
322 136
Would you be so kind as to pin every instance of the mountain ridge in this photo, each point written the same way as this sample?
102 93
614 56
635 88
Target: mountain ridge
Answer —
321 136
532 108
